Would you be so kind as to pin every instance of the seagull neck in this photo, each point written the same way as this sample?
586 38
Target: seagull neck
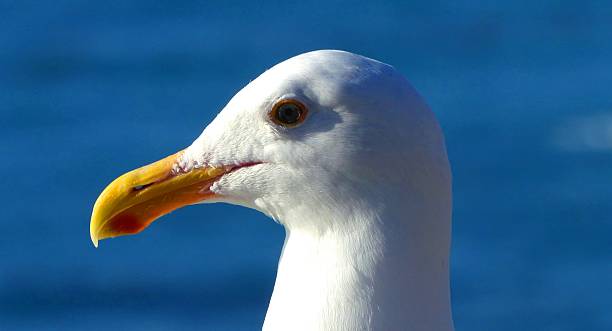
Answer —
373 270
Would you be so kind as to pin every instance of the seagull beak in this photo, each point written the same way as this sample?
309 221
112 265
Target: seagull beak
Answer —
133 201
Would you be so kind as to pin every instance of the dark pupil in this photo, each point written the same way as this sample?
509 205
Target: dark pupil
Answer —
288 114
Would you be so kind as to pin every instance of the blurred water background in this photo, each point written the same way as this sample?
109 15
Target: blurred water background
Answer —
89 90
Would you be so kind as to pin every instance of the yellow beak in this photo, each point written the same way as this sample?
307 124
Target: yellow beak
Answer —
133 201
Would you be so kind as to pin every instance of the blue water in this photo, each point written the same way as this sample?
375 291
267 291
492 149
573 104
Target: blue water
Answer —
89 90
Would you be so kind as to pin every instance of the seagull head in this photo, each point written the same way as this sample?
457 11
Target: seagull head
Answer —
345 154
320 131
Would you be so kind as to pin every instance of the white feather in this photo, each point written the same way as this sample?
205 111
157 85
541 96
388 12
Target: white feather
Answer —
363 189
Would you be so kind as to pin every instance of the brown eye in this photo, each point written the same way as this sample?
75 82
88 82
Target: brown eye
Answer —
288 113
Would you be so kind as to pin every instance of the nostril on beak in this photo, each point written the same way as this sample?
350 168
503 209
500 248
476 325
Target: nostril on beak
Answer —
141 187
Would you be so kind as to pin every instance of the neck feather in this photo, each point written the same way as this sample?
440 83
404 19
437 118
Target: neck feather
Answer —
371 269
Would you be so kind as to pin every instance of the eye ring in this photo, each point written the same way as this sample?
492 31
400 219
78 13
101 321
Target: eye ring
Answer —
288 113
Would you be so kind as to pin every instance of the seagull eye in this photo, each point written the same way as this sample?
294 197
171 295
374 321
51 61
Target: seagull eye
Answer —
288 113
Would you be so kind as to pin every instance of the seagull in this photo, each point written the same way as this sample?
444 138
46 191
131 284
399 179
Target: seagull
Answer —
345 154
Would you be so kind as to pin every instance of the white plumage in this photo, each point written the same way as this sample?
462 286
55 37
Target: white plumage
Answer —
363 189
345 154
